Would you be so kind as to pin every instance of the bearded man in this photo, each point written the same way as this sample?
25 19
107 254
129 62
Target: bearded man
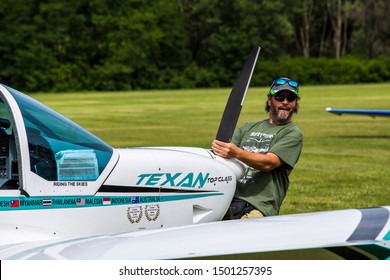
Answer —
269 149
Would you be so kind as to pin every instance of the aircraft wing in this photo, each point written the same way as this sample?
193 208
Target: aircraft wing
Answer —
340 234
369 112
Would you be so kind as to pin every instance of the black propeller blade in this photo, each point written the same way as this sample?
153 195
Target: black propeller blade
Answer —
236 98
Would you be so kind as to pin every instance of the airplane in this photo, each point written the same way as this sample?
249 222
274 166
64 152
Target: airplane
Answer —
370 112
66 194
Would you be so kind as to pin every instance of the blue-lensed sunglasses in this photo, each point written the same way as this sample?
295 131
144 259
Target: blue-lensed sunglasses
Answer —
282 81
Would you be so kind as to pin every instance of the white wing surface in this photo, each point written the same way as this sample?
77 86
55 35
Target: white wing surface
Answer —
350 234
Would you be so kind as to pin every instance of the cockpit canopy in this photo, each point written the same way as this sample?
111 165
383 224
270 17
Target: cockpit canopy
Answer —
58 149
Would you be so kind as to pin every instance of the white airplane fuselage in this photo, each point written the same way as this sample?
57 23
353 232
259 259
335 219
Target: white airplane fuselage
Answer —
53 185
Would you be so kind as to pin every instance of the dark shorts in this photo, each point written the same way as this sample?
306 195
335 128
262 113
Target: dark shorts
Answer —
237 209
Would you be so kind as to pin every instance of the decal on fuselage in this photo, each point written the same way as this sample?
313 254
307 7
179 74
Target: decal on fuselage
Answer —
70 184
152 212
39 203
134 214
220 179
188 180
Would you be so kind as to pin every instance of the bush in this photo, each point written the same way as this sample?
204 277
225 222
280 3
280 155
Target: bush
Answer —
322 71
307 71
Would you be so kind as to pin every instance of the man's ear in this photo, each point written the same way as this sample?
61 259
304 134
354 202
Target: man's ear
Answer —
269 100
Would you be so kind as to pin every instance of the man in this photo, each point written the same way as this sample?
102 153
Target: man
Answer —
270 149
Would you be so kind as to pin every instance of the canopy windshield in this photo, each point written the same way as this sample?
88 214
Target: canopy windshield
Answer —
59 148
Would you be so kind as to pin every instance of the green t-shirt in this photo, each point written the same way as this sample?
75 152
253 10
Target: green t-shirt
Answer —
267 190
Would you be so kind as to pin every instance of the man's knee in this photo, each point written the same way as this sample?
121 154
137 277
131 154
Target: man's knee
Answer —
253 214
240 209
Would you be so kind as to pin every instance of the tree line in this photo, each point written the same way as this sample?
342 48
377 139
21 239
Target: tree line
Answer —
56 45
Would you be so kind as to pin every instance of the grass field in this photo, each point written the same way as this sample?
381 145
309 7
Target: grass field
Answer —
345 162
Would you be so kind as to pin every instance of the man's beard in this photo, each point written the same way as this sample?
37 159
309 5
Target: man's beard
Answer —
281 114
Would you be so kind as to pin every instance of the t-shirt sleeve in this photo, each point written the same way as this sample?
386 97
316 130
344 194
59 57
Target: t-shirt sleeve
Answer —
237 137
288 147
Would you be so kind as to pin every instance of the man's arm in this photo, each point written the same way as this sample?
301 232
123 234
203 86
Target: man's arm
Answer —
263 162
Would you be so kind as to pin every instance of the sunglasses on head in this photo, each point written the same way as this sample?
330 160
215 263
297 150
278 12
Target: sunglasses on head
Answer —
282 81
281 97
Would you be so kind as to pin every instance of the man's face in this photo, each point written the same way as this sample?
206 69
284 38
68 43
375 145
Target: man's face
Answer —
282 106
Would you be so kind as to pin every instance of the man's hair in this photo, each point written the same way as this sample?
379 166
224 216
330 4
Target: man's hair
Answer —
269 96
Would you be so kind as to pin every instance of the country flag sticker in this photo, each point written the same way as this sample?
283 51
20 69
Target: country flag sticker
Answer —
46 202
106 201
14 203
80 201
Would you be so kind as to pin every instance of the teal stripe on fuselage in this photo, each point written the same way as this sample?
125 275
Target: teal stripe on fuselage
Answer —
61 202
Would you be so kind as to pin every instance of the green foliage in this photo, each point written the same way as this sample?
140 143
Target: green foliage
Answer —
318 71
55 45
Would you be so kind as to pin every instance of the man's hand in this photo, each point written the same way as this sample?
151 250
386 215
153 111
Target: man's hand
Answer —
225 150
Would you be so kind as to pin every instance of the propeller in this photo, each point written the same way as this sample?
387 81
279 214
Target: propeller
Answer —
236 98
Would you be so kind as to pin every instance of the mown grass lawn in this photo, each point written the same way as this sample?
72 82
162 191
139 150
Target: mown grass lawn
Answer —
345 162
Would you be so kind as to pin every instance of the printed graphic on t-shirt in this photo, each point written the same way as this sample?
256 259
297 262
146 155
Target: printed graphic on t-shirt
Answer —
257 142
